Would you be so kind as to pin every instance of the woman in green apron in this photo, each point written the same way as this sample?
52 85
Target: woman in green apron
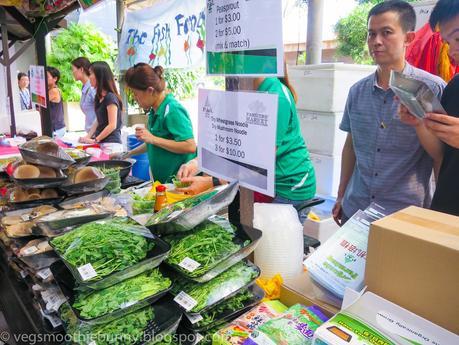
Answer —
168 138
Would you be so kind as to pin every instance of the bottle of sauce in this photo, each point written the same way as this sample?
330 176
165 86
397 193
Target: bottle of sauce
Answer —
161 198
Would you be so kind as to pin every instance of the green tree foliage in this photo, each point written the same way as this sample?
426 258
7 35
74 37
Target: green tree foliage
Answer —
75 41
351 32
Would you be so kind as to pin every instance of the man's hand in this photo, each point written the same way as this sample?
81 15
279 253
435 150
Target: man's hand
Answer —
86 140
144 135
198 185
188 169
407 118
338 211
445 128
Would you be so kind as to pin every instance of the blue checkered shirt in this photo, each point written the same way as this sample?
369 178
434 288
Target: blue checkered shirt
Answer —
392 168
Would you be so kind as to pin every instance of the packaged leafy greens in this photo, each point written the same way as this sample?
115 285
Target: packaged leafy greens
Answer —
207 245
123 295
126 330
196 298
95 250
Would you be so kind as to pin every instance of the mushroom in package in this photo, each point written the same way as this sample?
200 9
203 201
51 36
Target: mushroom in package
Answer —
20 195
34 247
20 223
45 151
83 180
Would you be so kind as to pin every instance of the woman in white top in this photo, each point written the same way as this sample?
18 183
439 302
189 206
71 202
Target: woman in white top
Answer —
80 70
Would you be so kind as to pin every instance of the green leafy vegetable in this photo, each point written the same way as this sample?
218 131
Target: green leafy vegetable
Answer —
114 186
179 184
144 204
109 246
132 290
208 245
165 212
233 304
215 290
126 330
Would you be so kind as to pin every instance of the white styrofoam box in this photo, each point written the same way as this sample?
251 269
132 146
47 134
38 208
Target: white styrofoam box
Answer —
28 120
324 228
327 169
321 132
325 87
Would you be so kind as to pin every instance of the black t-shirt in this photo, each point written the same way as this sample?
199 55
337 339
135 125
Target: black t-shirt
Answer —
102 117
446 198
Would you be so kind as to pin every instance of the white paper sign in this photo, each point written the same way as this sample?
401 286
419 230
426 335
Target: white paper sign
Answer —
236 44
37 85
44 273
237 137
87 272
189 264
185 301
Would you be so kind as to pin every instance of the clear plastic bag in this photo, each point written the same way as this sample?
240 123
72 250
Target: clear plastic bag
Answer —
102 253
44 151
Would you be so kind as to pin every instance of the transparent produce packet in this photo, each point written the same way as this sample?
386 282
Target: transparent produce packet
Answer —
44 151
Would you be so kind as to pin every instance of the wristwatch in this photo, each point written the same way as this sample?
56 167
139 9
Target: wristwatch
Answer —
215 182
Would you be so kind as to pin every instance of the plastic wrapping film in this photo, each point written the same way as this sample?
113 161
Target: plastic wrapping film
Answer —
102 253
41 182
185 215
199 297
44 151
84 187
239 241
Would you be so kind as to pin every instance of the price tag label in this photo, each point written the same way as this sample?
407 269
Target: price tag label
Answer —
23 274
87 272
44 274
185 301
189 264
54 320
194 318
55 301
30 250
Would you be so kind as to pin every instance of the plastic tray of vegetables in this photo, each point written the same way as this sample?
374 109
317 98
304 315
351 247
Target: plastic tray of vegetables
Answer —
102 306
143 326
186 214
103 253
199 297
225 311
211 248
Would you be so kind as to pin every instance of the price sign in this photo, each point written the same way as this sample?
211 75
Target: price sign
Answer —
194 318
236 45
237 137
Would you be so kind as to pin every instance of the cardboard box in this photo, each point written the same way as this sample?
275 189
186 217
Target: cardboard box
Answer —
413 261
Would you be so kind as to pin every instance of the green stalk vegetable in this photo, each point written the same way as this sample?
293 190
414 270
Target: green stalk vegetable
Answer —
129 291
211 292
108 246
208 245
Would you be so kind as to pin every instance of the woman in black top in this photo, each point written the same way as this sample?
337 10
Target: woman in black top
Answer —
56 106
106 130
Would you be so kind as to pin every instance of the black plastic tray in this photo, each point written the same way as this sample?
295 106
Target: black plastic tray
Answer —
174 275
85 187
228 316
57 227
167 317
243 233
188 219
31 156
39 261
49 182
123 166
68 202
153 259
67 284
34 203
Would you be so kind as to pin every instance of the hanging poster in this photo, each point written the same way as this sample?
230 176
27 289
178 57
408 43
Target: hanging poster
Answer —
244 38
171 33
37 77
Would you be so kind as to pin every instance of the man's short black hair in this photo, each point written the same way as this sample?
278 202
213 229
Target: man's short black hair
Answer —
444 11
406 13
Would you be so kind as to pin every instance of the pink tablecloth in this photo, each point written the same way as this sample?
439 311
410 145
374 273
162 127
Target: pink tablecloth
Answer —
11 150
